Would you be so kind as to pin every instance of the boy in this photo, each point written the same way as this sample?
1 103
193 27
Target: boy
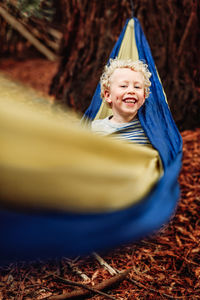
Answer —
124 86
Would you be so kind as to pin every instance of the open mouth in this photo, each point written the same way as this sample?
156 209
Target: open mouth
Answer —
132 101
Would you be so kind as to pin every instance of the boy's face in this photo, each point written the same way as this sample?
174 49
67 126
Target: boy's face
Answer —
126 94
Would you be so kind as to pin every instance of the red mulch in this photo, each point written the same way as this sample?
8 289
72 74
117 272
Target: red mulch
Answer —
35 72
165 266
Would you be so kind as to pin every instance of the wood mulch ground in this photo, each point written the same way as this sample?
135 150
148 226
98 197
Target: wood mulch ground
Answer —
164 266
35 72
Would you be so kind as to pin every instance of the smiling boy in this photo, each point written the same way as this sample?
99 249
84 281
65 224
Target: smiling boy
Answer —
124 86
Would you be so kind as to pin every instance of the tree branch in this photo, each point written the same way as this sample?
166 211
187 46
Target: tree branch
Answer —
23 31
95 289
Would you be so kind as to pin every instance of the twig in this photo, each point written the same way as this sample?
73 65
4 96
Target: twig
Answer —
96 289
75 269
105 264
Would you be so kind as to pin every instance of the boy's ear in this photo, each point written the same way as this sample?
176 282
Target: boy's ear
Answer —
107 96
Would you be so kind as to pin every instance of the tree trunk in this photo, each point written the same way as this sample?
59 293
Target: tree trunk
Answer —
172 28
91 29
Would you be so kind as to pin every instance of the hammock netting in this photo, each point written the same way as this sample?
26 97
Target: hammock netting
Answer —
66 191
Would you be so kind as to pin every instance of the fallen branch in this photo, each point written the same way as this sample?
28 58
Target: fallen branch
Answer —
23 31
106 284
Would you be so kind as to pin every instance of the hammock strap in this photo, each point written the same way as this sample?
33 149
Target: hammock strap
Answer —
132 8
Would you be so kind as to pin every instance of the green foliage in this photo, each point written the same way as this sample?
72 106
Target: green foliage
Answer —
41 9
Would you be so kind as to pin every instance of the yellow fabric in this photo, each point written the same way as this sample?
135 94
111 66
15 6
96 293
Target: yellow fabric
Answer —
128 49
48 160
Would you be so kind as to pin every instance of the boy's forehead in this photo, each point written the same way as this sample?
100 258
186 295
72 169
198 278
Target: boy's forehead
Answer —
126 73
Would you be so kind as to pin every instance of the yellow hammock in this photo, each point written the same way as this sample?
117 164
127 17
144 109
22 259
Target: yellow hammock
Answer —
48 160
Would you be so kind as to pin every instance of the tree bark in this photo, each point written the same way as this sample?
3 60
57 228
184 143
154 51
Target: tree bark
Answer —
173 29
91 29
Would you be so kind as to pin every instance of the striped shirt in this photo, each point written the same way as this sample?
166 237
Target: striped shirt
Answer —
131 131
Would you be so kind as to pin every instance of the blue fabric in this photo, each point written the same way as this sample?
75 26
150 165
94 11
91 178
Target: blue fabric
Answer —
31 235
155 116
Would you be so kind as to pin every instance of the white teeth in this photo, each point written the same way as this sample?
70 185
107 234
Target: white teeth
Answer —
130 101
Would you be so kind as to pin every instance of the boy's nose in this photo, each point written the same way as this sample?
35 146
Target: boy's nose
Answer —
131 90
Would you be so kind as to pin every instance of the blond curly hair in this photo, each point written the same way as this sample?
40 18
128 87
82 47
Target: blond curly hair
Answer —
138 66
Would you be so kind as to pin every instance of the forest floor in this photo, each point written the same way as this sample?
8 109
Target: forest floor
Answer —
163 266
36 72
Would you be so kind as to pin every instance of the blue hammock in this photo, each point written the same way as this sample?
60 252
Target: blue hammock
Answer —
28 235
